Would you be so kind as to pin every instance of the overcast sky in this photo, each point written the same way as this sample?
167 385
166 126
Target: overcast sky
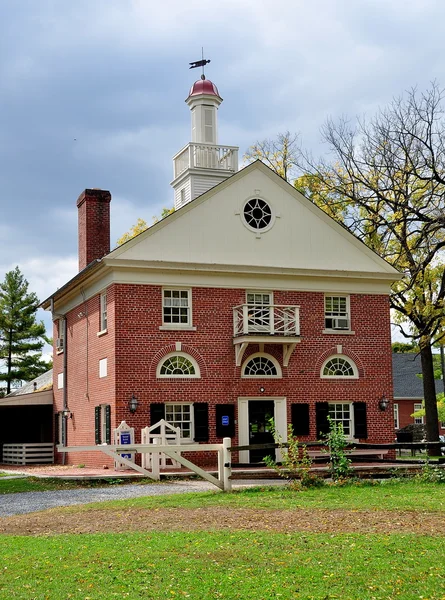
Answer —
92 95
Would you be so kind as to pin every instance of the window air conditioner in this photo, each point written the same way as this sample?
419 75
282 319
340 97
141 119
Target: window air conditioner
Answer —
340 323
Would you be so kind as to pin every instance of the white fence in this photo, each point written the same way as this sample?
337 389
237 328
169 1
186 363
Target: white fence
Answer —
27 454
222 481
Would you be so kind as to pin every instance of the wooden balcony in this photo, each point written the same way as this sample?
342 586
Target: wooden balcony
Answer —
206 156
261 324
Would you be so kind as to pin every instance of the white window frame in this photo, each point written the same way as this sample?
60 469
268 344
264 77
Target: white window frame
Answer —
341 315
396 416
197 374
342 377
179 423
103 319
418 420
178 326
272 359
350 435
258 327
60 342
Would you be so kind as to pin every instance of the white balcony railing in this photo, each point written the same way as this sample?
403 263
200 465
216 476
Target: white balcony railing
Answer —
254 319
206 156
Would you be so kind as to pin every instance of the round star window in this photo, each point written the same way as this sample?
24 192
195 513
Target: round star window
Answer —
257 214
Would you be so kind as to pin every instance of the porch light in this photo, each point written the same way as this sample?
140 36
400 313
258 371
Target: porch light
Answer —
133 404
383 403
67 414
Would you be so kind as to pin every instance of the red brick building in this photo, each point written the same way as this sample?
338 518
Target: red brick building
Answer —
248 302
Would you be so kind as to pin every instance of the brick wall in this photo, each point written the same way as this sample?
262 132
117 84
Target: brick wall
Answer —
134 345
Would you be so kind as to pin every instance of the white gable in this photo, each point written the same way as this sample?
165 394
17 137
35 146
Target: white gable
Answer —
211 231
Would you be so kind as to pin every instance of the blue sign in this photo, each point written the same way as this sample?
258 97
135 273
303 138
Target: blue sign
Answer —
225 420
125 437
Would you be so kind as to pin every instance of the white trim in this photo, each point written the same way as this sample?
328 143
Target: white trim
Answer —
178 325
396 416
418 420
272 359
103 311
342 377
257 196
192 420
280 418
197 374
349 436
346 316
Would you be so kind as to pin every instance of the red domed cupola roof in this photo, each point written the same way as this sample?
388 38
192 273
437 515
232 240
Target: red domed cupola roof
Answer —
204 86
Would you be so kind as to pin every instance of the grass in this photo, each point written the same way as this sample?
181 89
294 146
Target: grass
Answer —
37 484
237 565
387 494
230 565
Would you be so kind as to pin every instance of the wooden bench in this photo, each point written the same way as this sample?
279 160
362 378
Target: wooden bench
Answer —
378 453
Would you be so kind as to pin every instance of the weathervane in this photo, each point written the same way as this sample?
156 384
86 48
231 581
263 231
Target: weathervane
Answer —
200 63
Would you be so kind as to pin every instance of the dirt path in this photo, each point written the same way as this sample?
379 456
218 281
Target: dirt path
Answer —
67 520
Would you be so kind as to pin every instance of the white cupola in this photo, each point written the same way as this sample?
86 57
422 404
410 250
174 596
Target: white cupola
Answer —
203 163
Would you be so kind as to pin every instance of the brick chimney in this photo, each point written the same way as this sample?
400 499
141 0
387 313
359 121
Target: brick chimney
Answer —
94 225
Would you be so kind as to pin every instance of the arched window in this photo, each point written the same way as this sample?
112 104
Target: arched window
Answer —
261 365
178 364
339 366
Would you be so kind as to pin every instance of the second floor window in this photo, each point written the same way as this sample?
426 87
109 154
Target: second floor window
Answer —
103 311
176 307
259 306
336 312
60 341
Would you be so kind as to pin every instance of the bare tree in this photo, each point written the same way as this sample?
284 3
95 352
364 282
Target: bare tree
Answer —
390 172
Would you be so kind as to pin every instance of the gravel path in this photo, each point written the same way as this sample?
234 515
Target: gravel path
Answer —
22 503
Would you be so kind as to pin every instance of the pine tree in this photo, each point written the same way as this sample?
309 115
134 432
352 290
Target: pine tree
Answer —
21 336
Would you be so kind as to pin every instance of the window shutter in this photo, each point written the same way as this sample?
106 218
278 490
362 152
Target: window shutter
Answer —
361 429
63 430
321 418
108 423
201 414
57 418
97 424
225 420
157 412
300 419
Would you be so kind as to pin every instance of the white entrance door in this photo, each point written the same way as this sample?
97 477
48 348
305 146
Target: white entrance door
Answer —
252 424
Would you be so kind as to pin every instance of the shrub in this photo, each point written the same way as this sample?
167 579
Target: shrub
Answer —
296 463
336 442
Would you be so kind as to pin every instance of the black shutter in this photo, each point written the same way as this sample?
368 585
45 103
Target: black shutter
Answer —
63 430
157 412
321 418
361 429
300 419
97 424
108 423
225 420
201 414
57 418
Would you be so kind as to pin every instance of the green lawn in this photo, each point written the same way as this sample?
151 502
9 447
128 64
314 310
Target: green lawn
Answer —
231 565
387 494
36 484
235 564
